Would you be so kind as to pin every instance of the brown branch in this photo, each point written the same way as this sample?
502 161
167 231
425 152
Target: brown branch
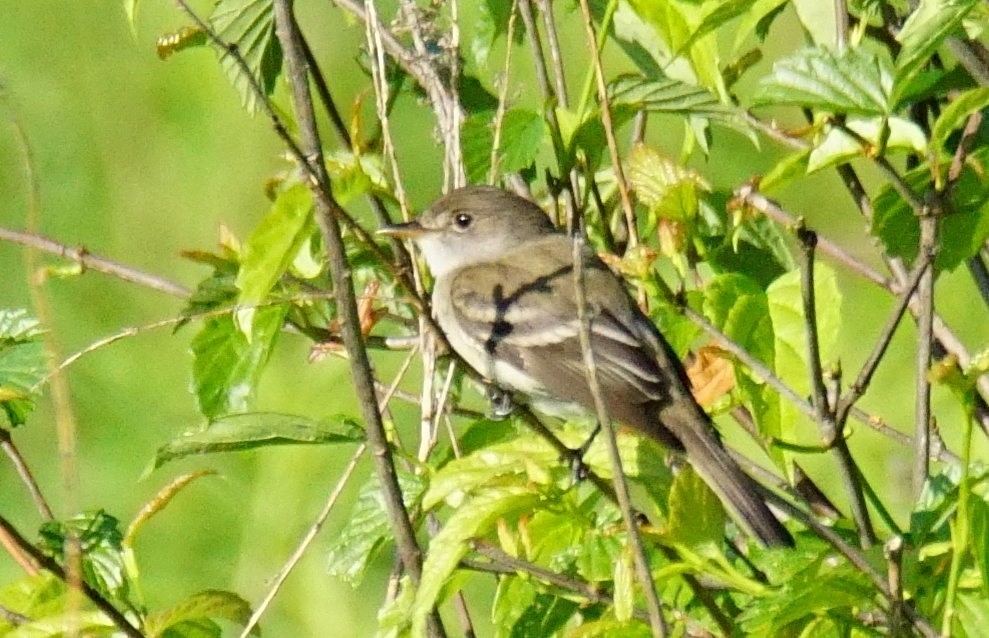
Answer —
24 471
89 261
328 215
643 573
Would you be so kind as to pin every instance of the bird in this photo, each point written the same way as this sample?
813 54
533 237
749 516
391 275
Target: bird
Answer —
505 297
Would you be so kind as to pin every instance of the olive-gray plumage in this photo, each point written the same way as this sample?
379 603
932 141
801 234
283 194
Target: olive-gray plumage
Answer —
506 300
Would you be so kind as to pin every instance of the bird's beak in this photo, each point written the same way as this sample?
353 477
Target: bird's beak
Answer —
409 230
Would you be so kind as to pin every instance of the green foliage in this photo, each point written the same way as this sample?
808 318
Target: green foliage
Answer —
498 498
22 364
238 432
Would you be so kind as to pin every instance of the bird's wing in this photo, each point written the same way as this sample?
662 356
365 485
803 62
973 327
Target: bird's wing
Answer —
500 305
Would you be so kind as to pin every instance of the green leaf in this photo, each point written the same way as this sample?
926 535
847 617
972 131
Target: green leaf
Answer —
972 614
474 518
368 528
666 95
839 147
239 432
227 366
524 455
755 20
522 135
925 30
100 541
250 26
785 299
857 83
270 249
206 605
667 188
696 518
979 521
954 115
818 18
544 616
85 623
22 363
624 579
477 137
492 22
962 229
739 307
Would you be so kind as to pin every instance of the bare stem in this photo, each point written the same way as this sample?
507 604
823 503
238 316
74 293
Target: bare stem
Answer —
328 215
643 573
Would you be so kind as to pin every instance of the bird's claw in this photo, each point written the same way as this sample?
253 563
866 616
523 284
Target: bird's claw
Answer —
500 403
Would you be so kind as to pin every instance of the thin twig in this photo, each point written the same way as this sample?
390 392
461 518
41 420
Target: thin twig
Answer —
499 117
90 261
328 213
639 556
925 342
24 471
555 55
604 103
304 542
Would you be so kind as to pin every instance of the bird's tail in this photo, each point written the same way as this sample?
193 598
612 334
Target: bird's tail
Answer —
736 489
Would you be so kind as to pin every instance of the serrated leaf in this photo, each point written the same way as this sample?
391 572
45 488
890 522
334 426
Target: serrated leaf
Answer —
925 30
100 543
474 518
239 432
227 366
477 137
270 250
857 83
658 94
38 596
249 25
954 115
22 363
86 623
972 614
205 605
696 518
478 469
667 188
368 528
522 134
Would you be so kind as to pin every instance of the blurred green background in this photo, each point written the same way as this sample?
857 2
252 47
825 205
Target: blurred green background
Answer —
137 159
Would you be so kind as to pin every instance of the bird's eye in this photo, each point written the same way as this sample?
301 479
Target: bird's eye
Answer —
462 220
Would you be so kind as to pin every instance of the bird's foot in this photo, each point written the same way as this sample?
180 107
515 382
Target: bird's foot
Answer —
500 405
575 458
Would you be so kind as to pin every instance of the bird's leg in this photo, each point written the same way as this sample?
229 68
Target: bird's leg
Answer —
499 401
578 469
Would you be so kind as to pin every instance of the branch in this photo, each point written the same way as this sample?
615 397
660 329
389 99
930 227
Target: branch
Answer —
925 344
328 215
643 572
89 261
24 471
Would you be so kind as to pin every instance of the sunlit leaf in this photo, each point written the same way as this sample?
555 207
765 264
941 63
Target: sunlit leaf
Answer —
249 25
955 113
185 38
270 249
205 605
474 518
226 366
100 543
858 83
22 363
238 432
925 30
839 147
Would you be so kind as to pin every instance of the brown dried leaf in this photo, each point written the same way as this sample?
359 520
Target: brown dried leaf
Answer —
711 374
